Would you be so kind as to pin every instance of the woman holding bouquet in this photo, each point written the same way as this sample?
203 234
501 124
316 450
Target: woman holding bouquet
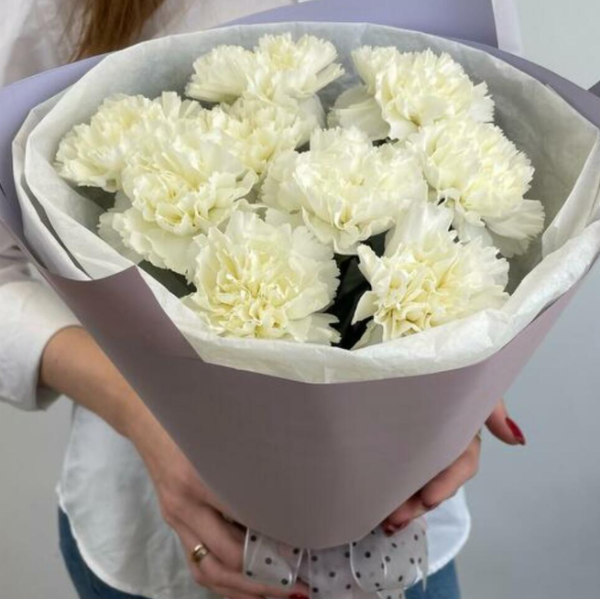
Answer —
132 508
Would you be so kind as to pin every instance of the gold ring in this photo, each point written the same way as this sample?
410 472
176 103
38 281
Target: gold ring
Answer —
198 553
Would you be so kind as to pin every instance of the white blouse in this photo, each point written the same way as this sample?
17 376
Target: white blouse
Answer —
104 487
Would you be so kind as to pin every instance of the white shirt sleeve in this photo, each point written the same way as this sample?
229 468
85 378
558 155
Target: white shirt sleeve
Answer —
30 315
35 35
32 39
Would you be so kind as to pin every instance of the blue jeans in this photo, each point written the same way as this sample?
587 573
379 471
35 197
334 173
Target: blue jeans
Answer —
442 585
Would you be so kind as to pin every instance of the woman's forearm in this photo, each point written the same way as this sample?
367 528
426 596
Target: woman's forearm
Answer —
74 364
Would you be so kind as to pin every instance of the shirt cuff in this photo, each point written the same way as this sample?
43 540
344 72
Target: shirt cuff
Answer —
31 314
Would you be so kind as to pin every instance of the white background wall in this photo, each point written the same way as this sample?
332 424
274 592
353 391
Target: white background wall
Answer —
536 525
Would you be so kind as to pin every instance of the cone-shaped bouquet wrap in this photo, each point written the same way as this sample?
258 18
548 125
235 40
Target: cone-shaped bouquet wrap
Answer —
314 445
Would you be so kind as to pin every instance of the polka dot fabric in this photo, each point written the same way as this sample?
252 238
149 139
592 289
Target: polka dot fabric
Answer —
266 560
377 566
385 565
329 575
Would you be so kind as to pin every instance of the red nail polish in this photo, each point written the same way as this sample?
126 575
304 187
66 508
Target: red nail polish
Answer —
298 596
516 431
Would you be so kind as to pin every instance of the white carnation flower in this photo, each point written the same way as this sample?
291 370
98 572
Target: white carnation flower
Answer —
108 232
296 69
479 173
370 62
260 131
222 74
426 278
260 280
174 192
186 189
279 68
169 106
346 189
357 108
409 90
139 239
95 154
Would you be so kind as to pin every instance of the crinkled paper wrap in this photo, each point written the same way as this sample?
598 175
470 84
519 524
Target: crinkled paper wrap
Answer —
562 144
320 453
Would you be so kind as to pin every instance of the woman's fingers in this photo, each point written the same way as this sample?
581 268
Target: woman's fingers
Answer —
226 540
449 481
408 511
200 491
503 427
442 487
186 509
222 567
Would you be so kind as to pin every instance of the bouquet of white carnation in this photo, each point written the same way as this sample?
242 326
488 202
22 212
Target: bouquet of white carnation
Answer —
397 218
319 254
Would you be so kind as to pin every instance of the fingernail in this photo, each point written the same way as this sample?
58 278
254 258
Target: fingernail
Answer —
298 596
391 529
516 431
433 506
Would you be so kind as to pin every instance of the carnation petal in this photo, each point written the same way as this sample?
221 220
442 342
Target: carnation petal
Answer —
416 224
221 75
357 108
366 307
149 241
370 62
514 232
524 221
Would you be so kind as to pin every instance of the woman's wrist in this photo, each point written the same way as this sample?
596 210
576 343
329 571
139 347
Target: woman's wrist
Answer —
147 435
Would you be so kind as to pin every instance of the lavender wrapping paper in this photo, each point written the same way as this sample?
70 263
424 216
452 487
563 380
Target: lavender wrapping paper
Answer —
339 457
491 22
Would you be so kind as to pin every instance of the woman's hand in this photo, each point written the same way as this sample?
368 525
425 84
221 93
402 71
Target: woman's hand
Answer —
73 364
447 483
196 515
